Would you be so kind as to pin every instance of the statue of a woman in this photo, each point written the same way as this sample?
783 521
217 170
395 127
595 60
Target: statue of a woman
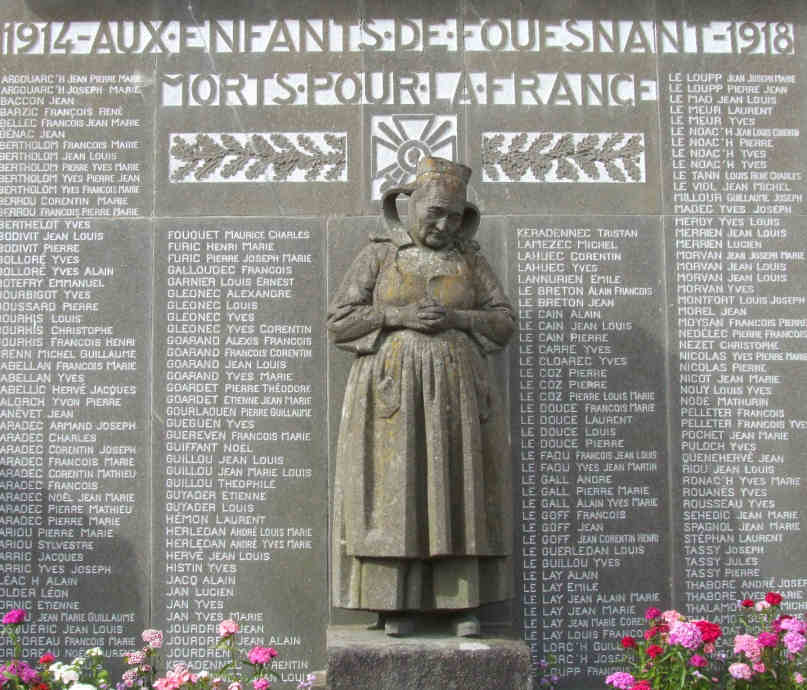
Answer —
422 485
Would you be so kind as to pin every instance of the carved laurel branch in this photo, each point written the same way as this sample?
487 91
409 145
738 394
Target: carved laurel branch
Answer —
569 158
228 156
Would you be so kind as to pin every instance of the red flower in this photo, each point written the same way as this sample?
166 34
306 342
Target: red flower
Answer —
642 685
748 603
628 642
709 631
46 659
656 630
773 598
654 650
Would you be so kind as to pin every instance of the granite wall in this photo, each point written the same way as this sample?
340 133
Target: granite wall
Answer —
183 184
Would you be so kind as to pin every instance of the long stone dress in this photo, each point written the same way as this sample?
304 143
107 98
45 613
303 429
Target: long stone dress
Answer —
423 469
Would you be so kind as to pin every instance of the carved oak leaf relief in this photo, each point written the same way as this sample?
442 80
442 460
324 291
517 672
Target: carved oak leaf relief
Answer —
556 157
271 157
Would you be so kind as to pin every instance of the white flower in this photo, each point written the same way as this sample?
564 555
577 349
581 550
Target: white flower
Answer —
82 686
95 651
64 674
204 675
78 661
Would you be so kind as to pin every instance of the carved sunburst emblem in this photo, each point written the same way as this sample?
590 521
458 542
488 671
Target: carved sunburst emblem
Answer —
398 142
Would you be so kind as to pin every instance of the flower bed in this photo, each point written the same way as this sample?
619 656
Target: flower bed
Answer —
87 672
681 653
674 653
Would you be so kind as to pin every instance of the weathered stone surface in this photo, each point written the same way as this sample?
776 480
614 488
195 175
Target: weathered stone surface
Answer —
359 659
137 118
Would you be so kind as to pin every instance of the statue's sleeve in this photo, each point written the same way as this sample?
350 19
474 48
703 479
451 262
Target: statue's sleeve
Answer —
354 322
493 322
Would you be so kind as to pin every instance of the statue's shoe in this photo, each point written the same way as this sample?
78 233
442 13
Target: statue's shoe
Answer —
378 624
467 625
399 626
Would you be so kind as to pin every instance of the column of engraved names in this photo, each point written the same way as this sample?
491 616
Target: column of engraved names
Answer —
737 178
579 486
71 426
740 332
733 140
72 145
238 420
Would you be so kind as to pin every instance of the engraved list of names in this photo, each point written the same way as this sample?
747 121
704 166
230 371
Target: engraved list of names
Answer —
240 389
590 410
73 477
737 316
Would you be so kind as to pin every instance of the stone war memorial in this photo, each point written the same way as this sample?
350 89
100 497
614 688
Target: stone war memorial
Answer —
244 375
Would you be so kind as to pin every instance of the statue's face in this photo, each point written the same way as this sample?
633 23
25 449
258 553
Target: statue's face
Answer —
435 215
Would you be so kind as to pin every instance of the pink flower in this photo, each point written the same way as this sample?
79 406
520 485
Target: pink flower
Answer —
621 680
228 628
130 676
686 634
14 617
794 642
761 606
169 682
776 623
709 648
698 661
235 685
652 613
27 674
740 671
261 655
135 658
671 616
183 674
798 678
748 645
260 684
759 667
768 639
153 638
793 625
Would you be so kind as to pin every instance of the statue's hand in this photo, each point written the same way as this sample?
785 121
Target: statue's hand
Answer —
426 317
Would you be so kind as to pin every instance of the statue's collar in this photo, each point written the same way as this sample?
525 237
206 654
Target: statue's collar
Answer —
397 235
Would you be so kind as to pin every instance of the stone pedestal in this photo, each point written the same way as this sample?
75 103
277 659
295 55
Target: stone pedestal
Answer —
360 659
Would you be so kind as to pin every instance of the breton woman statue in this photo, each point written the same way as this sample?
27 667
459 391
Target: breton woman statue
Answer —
422 486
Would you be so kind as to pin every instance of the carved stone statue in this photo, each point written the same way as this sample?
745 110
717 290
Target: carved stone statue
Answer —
423 472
